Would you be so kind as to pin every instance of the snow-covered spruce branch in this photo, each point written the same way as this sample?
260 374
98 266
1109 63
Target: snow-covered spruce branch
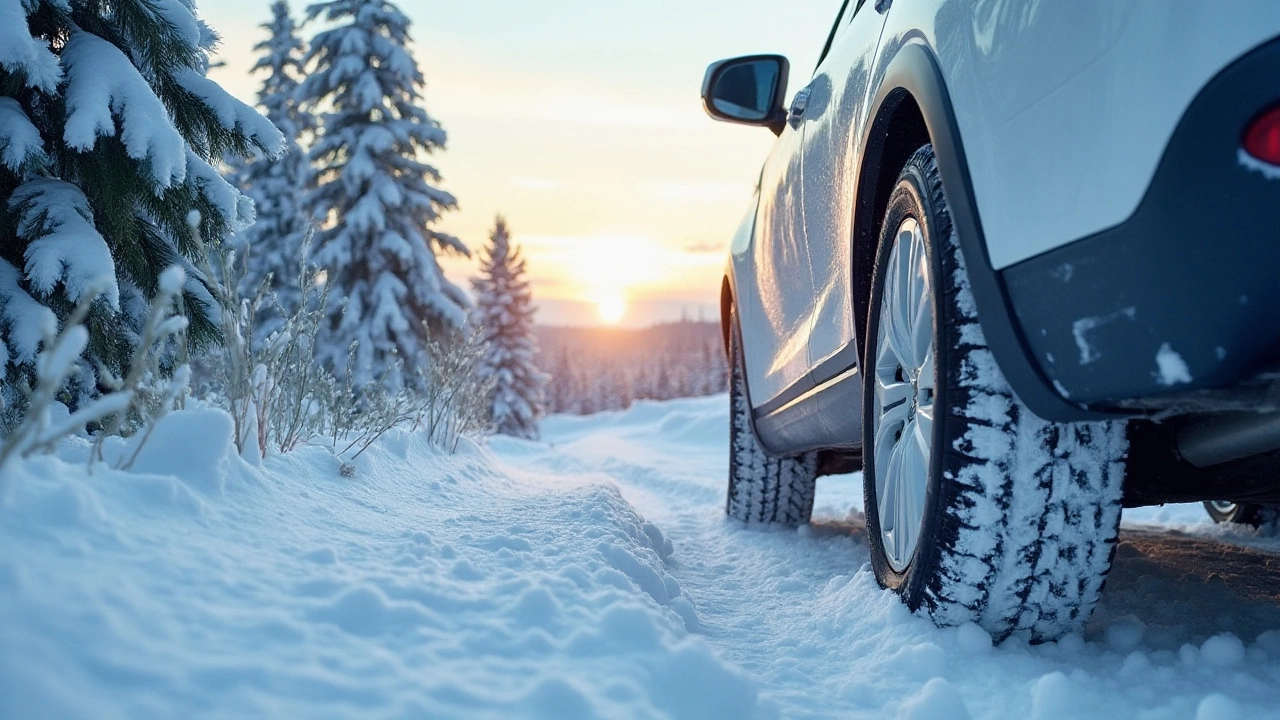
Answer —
137 401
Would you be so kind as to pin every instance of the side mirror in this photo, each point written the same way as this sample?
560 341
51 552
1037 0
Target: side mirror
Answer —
747 90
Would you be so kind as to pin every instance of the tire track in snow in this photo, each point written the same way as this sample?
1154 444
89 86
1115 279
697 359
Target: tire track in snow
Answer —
802 615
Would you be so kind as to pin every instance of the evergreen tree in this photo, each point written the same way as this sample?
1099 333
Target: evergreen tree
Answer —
564 384
108 128
377 195
504 313
274 243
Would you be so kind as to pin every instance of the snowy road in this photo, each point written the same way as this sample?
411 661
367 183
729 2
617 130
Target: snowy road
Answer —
590 575
801 613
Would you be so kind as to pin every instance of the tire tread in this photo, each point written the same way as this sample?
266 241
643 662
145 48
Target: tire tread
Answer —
1029 509
763 488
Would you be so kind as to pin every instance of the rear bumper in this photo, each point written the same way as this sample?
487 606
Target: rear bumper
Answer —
1183 298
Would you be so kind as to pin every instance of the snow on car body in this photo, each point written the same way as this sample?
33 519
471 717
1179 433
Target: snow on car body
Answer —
1084 196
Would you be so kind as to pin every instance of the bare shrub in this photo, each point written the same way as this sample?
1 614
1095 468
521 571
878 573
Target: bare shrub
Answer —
456 401
280 397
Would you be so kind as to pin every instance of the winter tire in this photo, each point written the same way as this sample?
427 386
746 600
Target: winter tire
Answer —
763 488
977 509
1255 515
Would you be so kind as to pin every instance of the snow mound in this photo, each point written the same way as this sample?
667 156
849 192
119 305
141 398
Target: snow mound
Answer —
590 575
428 586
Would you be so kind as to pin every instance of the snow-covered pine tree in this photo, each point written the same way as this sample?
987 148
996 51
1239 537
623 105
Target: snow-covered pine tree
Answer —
562 392
108 127
377 197
504 314
273 244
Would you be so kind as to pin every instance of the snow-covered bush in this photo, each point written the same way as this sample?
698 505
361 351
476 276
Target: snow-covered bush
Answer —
134 401
456 399
376 195
279 396
503 315
108 128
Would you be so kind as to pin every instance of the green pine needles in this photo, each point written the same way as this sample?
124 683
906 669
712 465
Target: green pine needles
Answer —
109 133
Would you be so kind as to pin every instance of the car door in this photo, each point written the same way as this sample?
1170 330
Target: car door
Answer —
775 324
783 319
834 124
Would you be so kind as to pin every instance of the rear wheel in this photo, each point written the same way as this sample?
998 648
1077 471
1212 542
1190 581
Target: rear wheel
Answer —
977 509
763 488
1255 515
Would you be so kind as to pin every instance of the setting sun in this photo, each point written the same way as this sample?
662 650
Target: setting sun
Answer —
611 307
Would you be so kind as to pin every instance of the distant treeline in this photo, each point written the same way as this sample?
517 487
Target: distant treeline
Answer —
595 369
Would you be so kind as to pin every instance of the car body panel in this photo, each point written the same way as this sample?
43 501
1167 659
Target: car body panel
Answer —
1048 93
1041 113
834 125
772 315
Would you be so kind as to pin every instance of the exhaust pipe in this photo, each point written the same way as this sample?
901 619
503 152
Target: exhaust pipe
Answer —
1220 440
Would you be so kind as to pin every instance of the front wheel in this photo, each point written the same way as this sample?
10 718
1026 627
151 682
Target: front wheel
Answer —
977 509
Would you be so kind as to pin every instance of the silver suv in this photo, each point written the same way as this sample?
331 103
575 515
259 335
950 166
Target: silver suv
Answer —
1020 263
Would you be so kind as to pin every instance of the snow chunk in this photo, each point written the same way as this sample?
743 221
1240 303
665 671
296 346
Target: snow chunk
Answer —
923 661
1136 666
1253 164
65 246
20 142
973 640
1071 644
937 700
103 86
1126 633
1223 650
22 54
1219 707
192 445
1173 369
1054 696
1081 329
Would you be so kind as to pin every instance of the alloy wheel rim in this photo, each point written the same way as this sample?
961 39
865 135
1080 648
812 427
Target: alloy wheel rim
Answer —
904 395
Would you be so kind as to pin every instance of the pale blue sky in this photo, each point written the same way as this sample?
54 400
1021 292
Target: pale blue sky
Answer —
580 121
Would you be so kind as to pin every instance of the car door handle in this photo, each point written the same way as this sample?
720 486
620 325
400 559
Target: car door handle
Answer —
798 104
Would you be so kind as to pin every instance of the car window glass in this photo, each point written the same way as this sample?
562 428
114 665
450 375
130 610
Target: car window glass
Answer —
835 29
843 21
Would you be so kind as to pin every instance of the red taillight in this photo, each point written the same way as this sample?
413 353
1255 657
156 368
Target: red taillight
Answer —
1262 137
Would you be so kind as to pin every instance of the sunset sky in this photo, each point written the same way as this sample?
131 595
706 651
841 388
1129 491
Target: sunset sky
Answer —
579 121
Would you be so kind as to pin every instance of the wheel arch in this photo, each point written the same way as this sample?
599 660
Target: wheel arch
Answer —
912 107
726 306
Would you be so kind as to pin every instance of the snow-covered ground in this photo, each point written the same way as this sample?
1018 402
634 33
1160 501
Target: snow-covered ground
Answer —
588 575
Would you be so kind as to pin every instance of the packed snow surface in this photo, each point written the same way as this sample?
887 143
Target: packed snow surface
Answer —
591 574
